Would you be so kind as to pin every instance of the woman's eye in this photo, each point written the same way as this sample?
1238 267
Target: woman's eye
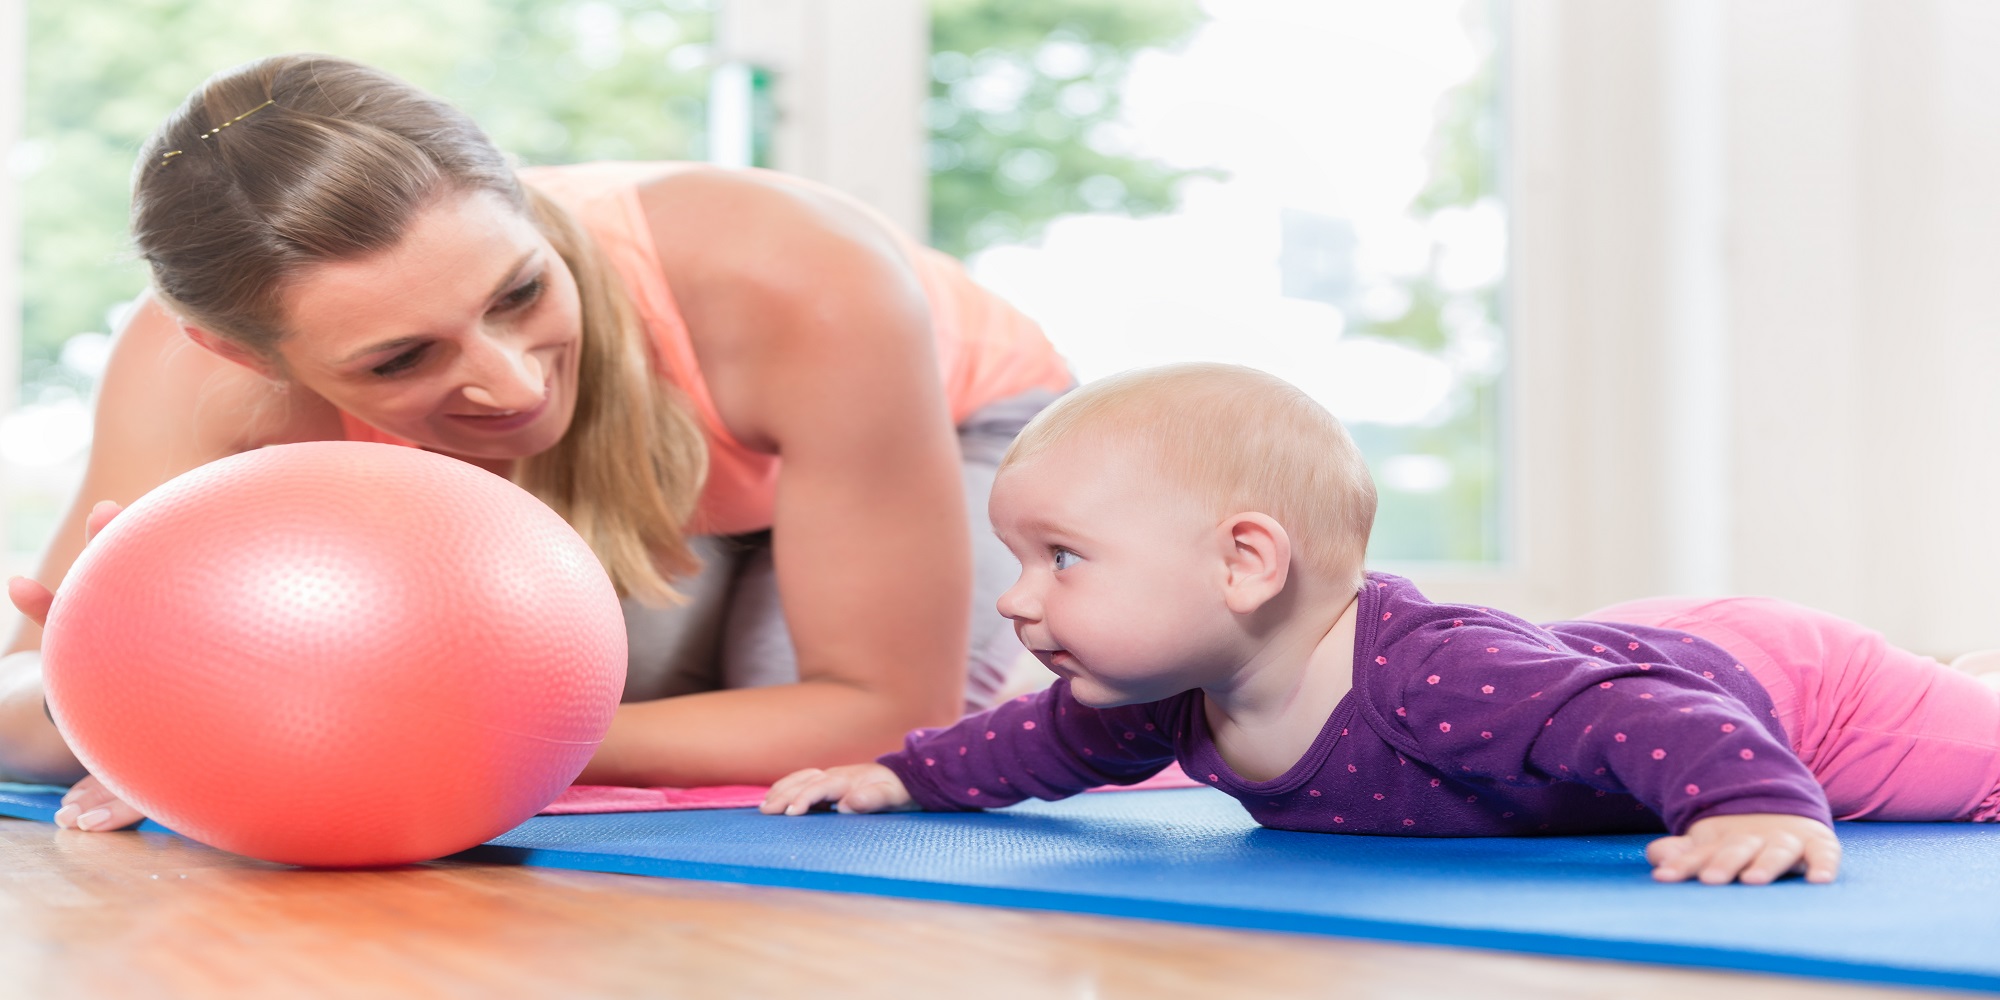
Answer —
522 296
400 363
1065 559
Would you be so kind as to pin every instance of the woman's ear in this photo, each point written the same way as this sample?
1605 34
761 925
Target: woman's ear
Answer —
230 350
1259 561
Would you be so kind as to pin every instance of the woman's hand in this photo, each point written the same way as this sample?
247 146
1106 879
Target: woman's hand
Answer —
88 805
31 598
91 807
1753 848
852 788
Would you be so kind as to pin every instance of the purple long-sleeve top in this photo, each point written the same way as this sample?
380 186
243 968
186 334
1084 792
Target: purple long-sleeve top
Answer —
1462 722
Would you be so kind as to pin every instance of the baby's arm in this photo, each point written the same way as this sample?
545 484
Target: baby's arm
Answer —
1517 710
1047 746
1528 713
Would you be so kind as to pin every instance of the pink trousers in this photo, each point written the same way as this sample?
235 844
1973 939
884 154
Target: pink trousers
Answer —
1889 734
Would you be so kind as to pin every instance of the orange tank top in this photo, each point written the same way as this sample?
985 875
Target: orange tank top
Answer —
987 350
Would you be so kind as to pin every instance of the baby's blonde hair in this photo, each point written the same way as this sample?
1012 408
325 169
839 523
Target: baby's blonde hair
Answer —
1235 439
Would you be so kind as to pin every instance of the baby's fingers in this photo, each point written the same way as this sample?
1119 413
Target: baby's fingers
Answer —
1730 858
1676 859
1778 857
1822 859
875 796
825 786
785 789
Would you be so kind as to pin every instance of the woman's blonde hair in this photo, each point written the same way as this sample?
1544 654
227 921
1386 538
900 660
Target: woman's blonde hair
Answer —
1231 439
326 160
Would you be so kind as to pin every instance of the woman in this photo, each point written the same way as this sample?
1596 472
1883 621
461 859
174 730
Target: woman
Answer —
744 391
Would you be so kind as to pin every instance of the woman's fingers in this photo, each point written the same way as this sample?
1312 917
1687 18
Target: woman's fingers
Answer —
100 515
90 806
114 815
30 598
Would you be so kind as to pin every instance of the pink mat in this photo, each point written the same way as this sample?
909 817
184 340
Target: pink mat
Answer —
612 799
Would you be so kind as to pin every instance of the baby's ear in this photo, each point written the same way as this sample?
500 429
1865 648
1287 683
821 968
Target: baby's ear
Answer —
1259 558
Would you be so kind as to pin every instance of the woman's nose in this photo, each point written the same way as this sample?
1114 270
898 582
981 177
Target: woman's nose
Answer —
504 376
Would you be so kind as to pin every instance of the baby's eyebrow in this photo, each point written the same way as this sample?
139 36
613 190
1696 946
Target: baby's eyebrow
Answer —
1044 526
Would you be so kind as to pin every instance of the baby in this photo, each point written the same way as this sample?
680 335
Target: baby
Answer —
1191 541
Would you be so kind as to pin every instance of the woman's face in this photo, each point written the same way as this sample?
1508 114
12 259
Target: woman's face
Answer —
463 337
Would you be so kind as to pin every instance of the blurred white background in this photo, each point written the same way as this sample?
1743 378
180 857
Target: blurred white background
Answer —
1622 299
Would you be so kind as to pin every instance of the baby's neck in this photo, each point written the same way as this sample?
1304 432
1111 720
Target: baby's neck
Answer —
1271 709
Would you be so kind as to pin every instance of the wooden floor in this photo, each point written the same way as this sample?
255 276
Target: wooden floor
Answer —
151 915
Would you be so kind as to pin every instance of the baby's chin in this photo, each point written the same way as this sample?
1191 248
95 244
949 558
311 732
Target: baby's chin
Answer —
1093 694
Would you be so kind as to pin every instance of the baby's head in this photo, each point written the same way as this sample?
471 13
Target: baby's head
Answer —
1226 439
1137 502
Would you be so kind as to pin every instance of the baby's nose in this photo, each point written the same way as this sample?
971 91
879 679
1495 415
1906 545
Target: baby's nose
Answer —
1017 604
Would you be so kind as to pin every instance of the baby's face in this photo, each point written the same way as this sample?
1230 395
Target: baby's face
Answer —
1121 586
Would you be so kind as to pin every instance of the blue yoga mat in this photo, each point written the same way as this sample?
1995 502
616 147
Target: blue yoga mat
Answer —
1917 904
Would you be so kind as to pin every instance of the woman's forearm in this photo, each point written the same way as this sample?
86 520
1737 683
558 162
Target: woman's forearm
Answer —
750 736
30 747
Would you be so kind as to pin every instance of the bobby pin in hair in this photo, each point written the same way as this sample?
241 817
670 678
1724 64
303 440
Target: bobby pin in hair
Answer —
173 153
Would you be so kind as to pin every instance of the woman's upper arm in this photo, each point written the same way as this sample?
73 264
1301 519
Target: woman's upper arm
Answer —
815 338
164 406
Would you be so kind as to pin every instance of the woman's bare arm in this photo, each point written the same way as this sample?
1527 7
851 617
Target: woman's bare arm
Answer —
165 406
815 340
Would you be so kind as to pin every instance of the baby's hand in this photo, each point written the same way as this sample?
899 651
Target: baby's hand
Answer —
852 788
1753 848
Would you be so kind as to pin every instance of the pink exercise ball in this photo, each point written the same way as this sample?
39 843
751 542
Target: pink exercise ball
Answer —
336 654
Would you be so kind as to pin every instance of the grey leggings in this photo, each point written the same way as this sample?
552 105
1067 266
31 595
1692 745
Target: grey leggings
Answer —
731 632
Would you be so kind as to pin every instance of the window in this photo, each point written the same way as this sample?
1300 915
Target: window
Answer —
1309 188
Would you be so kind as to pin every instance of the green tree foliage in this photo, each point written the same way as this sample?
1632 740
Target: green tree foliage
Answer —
1023 112
552 80
1025 101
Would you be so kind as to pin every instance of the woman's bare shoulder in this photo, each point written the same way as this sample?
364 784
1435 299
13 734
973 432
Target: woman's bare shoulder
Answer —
166 397
719 219
781 280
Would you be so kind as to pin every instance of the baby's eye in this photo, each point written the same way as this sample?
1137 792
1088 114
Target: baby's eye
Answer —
1065 559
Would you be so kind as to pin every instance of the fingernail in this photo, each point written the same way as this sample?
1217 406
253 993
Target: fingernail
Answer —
66 816
91 819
